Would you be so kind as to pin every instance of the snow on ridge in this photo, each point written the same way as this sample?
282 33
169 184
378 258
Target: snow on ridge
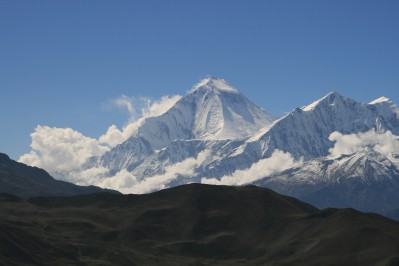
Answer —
380 100
315 103
217 84
311 106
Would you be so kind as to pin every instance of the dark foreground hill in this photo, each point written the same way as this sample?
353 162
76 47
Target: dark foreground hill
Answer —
26 181
191 225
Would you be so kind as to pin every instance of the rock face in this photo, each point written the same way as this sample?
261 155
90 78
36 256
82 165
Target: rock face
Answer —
25 181
191 225
365 180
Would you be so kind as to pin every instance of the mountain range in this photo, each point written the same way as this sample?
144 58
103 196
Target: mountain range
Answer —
215 133
334 153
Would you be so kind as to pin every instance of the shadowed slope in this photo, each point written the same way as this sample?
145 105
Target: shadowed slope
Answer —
26 181
191 225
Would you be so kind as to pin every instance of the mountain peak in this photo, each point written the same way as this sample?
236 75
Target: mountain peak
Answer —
386 106
215 84
222 112
331 99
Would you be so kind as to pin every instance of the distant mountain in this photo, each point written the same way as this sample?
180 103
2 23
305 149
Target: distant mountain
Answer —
366 180
213 110
25 181
214 131
191 225
304 132
214 118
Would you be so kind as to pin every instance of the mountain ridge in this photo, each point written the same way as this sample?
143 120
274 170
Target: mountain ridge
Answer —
191 143
303 134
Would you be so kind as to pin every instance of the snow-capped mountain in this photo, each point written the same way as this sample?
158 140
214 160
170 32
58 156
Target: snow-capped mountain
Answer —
212 111
220 111
215 134
304 132
127 155
213 106
366 180
214 131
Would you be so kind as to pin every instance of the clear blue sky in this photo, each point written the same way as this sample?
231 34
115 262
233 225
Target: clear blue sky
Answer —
61 62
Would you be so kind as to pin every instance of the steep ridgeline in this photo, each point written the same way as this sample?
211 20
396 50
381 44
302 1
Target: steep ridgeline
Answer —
366 180
25 181
213 110
304 132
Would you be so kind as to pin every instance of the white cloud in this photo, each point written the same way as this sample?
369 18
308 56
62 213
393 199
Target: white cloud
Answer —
115 136
57 149
64 149
156 108
144 106
278 161
126 102
121 181
143 109
85 177
384 143
126 182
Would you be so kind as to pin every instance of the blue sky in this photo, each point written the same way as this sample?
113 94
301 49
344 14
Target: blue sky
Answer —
63 62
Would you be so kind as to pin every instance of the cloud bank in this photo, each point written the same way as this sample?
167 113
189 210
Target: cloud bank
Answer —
385 143
64 149
56 149
278 162
126 182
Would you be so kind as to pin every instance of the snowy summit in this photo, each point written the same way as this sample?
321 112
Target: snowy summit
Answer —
215 84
